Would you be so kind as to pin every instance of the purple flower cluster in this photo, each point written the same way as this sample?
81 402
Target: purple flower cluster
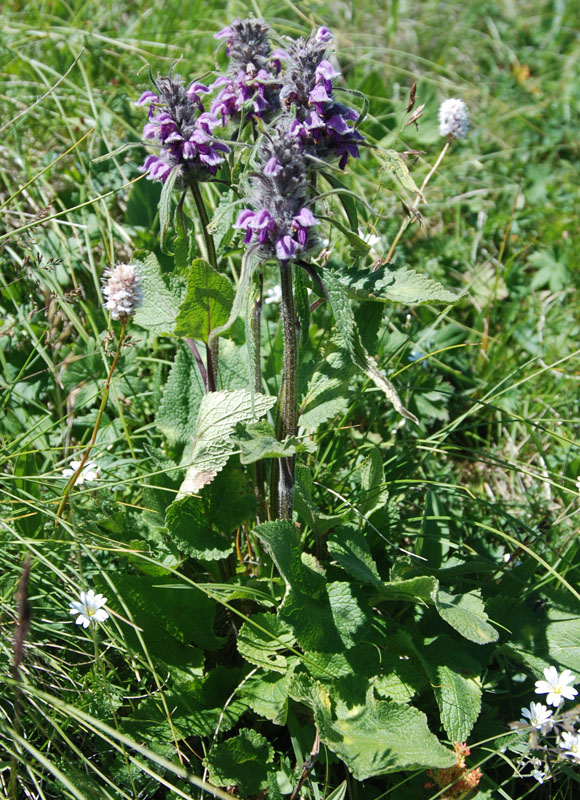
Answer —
251 86
182 130
322 124
280 224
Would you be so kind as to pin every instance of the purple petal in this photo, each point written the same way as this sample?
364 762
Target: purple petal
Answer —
338 124
263 219
313 121
325 71
273 167
150 131
285 248
225 33
212 158
297 129
319 94
207 121
244 218
323 35
147 97
305 218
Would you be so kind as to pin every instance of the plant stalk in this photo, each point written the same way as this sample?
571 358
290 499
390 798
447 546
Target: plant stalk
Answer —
289 409
70 485
407 221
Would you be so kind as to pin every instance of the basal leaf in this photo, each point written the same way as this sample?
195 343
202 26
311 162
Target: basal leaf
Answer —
263 640
207 304
182 395
219 413
349 547
466 613
267 695
455 678
422 587
378 737
191 532
242 761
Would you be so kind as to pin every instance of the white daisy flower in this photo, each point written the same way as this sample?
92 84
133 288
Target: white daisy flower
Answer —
570 742
556 686
90 472
89 608
536 715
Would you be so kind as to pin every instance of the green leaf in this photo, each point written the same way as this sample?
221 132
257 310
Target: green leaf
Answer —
540 638
258 441
466 613
182 395
349 547
401 678
197 708
359 246
161 608
345 322
326 393
395 163
262 641
401 285
325 616
267 695
191 533
160 305
207 304
422 587
378 737
242 760
165 203
219 413
454 676
347 200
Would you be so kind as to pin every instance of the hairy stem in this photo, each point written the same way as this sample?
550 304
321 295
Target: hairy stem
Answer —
213 349
289 410
259 472
70 485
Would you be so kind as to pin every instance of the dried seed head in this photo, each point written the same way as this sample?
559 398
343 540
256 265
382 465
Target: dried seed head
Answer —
122 291
453 119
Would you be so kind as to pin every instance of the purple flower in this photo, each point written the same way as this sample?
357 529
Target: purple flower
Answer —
250 87
325 72
323 35
273 166
181 130
285 248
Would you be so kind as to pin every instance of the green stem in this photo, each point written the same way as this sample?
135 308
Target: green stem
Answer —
289 415
204 219
406 222
104 398
213 349
259 471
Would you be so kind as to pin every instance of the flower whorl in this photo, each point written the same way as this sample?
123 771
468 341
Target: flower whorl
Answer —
307 86
281 222
122 291
251 85
453 119
181 129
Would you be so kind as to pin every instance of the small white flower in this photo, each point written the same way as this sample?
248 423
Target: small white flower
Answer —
374 242
539 775
536 715
89 608
273 295
122 291
453 118
578 483
570 742
556 686
90 472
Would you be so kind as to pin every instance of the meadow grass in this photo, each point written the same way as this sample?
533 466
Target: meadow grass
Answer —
491 472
